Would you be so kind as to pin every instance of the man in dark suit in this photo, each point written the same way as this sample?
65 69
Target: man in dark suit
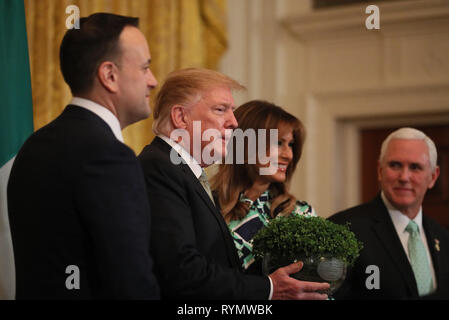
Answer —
395 232
79 214
194 253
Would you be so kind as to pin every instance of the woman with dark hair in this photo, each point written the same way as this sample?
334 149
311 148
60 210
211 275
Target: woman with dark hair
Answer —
249 198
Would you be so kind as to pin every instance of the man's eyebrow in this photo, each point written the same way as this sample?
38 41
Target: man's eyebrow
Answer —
146 63
417 164
230 105
224 104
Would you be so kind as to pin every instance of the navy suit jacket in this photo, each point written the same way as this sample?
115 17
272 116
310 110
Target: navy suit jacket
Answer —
372 225
77 197
194 254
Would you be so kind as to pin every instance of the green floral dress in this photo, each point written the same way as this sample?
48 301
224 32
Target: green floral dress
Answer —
258 216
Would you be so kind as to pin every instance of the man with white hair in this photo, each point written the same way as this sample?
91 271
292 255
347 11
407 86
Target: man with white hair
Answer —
405 254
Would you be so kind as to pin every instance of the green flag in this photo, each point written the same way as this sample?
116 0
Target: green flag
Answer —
16 119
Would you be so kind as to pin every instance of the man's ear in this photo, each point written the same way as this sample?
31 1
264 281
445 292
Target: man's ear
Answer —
379 171
179 117
434 177
108 76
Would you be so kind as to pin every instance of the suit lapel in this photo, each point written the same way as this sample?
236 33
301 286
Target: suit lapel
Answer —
233 257
202 193
190 176
232 252
433 243
385 231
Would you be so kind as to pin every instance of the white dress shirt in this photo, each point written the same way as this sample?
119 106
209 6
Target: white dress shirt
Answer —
105 114
191 162
197 170
400 222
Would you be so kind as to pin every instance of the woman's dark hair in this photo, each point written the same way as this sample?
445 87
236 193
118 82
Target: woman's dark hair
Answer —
83 50
232 179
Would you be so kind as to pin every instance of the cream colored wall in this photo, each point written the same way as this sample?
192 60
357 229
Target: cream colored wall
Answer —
338 77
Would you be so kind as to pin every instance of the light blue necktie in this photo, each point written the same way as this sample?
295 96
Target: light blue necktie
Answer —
205 183
418 260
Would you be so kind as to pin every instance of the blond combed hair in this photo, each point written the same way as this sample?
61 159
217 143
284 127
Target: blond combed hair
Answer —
186 87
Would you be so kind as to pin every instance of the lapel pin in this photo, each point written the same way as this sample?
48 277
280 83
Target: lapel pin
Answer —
437 244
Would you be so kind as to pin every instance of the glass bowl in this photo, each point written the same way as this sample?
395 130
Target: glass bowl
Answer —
325 268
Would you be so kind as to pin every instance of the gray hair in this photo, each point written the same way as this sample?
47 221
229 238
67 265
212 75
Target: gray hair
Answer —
411 134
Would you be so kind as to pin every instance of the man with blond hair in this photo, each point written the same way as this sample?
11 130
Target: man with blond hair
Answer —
406 253
195 257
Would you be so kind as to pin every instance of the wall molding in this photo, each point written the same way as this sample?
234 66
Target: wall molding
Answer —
334 121
350 20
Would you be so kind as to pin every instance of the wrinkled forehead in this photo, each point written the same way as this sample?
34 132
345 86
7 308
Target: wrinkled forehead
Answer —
409 150
211 96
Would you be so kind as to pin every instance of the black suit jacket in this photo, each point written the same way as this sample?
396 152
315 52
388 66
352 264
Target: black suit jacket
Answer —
77 196
195 257
372 225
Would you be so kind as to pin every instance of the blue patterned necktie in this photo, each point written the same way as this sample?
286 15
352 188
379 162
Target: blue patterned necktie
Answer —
418 260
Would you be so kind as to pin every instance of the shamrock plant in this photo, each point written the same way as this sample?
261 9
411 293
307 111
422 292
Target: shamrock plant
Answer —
293 237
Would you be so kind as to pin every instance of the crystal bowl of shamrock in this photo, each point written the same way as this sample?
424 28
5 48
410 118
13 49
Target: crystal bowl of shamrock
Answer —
325 248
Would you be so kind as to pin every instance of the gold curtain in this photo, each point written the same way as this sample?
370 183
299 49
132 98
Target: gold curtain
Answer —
180 33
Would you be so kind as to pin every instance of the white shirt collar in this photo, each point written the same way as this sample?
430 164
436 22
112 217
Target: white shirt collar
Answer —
191 162
400 220
106 115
